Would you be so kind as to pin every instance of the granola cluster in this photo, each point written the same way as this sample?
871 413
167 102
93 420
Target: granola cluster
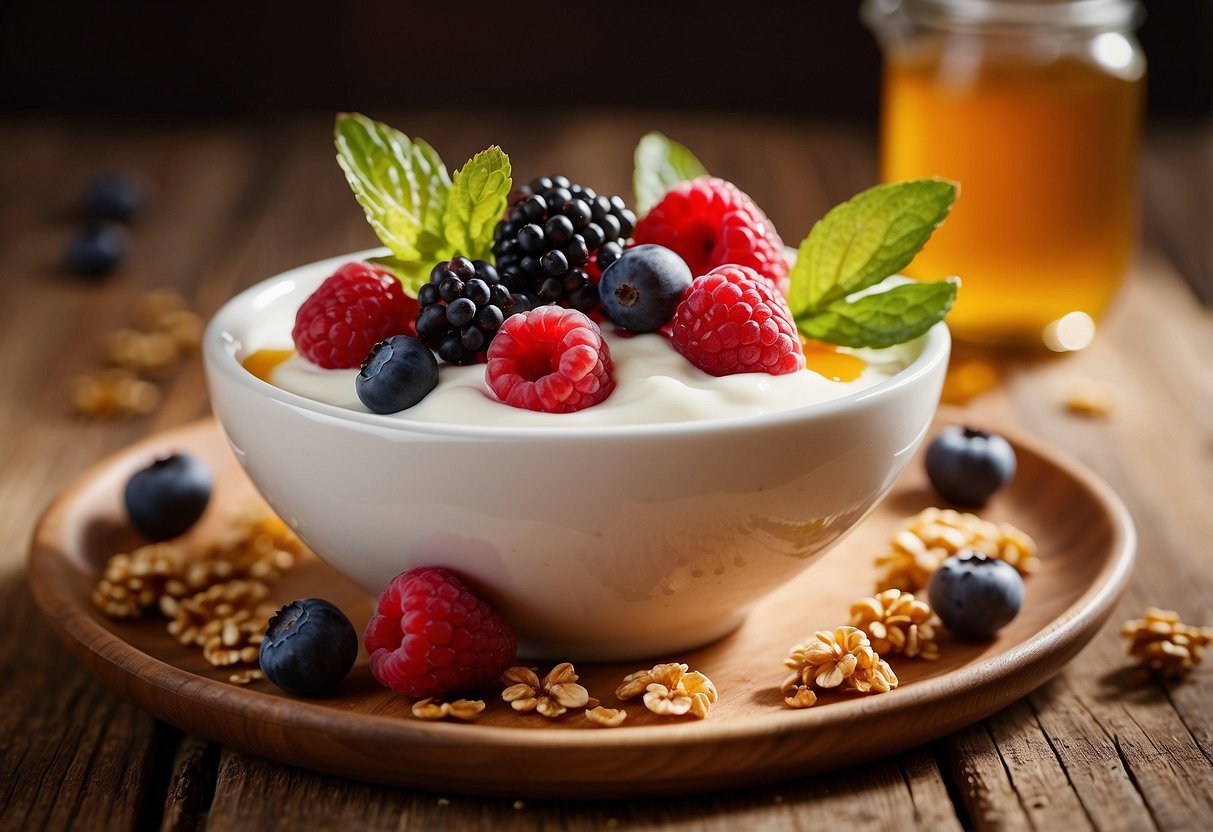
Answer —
671 690
462 709
897 623
934 535
833 658
1090 398
1165 646
551 696
668 690
216 599
163 332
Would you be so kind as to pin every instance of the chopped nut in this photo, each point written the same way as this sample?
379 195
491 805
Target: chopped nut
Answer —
153 308
935 534
134 582
1164 645
897 623
606 717
551 697
215 600
244 677
1087 397
669 689
834 658
185 329
637 683
140 352
112 392
801 696
465 709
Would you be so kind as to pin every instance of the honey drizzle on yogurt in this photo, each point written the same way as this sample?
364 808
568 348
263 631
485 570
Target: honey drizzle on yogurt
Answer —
827 360
262 362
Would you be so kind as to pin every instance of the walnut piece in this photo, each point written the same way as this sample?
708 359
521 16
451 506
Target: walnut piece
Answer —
245 677
606 717
551 696
215 599
671 690
935 534
1165 646
842 657
1087 397
164 331
897 623
112 392
464 709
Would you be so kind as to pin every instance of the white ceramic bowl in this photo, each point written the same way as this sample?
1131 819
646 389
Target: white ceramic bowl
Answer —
597 543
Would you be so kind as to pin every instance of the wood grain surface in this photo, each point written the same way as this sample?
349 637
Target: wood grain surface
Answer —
238 202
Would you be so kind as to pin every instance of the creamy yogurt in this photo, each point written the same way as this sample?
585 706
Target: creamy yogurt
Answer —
654 384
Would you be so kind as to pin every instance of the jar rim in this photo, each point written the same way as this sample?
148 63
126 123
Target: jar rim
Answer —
1015 14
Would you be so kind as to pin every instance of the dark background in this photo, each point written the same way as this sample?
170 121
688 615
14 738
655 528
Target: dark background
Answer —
264 58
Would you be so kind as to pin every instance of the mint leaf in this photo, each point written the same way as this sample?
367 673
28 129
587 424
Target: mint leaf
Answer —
475 203
660 164
869 237
401 184
412 274
882 319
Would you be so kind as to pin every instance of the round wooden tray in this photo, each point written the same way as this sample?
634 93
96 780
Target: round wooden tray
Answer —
1086 542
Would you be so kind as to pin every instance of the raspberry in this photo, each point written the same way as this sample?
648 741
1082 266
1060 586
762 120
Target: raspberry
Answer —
430 635
550 359
711 222
352 311
732 321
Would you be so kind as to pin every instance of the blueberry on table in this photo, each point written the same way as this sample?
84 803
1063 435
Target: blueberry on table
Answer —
640 290
114 195
398 373
967 466
165 499
98 248
975 596
309 647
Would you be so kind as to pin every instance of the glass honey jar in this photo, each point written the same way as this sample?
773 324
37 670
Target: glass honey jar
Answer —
1034 107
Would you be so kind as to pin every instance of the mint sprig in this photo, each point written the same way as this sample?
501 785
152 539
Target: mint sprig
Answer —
410 200
476 201
857 245
885 318
660 163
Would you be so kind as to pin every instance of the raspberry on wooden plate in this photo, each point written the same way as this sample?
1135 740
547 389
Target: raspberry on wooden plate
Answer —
431 635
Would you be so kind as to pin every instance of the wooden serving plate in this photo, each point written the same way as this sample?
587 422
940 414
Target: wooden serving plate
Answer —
1086 543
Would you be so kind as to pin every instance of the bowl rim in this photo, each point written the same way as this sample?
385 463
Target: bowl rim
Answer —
221 341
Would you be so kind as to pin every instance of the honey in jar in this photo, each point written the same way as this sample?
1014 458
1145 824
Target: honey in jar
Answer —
1034 108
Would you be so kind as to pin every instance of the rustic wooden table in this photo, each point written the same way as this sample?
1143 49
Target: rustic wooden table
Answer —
236 203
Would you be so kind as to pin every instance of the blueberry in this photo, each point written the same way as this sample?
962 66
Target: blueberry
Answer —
98 248
641 290
967 465
166 498
309 647
114 195
975 596
398 373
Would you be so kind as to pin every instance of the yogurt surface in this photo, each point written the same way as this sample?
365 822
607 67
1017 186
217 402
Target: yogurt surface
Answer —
654 385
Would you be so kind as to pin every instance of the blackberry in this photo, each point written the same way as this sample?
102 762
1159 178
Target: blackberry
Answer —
556 239
462 307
